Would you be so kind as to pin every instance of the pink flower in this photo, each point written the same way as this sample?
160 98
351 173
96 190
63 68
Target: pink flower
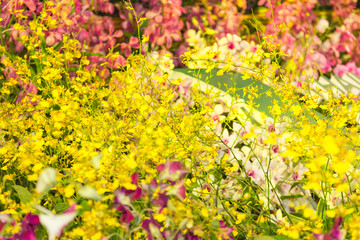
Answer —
321 62
288 43
352 68
110 38
126 47
28 89
116 62
334 234
83 36
171 171
340 70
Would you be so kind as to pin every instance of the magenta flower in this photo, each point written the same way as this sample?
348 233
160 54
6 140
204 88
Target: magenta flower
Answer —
171 171
178 190
28 227
161 200
152 227
124 198
226 231
334 233
126 215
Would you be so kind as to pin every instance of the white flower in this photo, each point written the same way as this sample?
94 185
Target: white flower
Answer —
194 39
47 179
96 160
229 141
231 41
335 37
55 223
89 193
322 25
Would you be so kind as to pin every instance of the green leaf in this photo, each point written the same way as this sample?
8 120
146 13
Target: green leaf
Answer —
84 207
282 237
24 195
213 236
321 208
215 224
291 196
61 207
41 232
60 44
264 238
235 81
278 237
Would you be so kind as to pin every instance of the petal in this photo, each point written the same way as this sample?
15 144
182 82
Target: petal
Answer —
134 42
30 4
118 34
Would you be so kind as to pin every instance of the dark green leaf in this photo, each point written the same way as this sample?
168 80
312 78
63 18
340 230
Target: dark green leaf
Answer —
60 207
291 196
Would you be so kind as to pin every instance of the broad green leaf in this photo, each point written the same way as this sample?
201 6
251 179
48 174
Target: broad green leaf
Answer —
235 81
24 195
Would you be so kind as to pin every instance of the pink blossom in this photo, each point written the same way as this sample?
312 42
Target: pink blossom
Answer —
340 70
321 62
110 38
29 89
171 171
352 68
126 47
